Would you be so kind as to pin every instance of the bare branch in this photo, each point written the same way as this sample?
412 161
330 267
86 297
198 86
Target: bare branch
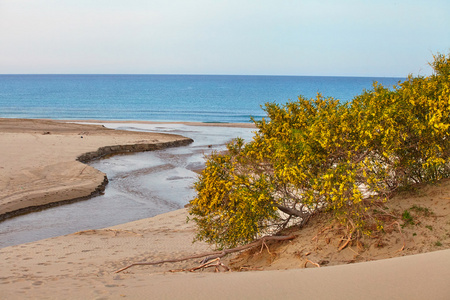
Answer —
293 212
212 255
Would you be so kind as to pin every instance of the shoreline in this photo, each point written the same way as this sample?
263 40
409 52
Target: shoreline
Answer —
190 123
212 124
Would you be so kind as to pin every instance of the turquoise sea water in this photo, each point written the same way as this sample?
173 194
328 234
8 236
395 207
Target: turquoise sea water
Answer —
146 184
200 98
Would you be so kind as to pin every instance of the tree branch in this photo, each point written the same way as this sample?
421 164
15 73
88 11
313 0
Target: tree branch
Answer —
212 255
292 212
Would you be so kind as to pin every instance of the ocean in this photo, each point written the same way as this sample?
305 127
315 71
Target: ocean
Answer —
146 184
196 98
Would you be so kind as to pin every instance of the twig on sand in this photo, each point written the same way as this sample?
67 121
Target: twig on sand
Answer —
321 231
212 255
346 242
263 244
83 169
212 263
401 233
311 262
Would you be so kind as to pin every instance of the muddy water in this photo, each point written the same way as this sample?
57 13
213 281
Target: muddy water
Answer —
141 185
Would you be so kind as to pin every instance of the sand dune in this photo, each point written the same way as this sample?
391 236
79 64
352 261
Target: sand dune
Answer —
81 265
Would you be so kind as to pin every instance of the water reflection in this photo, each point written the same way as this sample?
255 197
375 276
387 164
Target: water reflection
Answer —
140 186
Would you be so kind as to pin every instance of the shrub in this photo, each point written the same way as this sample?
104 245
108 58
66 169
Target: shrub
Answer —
317 154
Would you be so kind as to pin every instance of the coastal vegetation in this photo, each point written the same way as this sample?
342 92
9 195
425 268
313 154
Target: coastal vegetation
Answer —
318 155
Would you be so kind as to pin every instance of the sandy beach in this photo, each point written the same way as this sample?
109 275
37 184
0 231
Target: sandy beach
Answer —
41 163
82 265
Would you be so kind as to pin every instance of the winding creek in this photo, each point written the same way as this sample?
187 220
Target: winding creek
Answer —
141 185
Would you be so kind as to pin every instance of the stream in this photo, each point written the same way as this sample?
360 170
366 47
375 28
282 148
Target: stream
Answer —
141 185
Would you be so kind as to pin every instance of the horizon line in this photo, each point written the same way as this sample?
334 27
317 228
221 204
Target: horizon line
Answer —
186 74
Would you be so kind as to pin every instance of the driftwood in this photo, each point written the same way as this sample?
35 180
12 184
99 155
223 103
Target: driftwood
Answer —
212 255
212 263
347 241
311 262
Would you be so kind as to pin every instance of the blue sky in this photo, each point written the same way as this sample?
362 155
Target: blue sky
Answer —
286 37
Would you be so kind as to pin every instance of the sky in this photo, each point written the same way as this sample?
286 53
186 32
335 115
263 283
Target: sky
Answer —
239 37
